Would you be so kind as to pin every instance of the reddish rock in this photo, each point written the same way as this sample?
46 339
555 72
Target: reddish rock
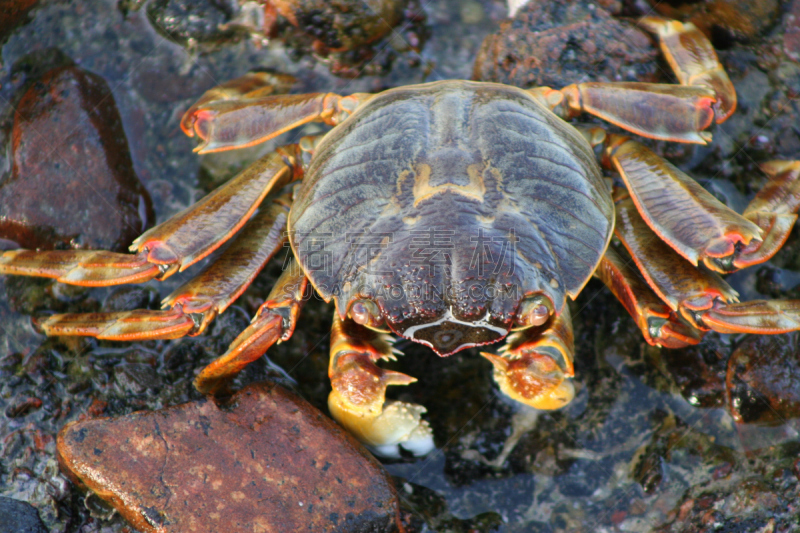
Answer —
12 14
72 182
763 379
555 43
265 462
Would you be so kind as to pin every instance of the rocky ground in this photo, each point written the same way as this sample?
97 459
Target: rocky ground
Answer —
701 439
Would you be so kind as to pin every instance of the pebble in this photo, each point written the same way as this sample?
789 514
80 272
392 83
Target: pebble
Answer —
265 461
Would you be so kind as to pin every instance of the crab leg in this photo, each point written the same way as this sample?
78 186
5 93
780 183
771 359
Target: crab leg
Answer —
358 399
659 324
195 304
701 297
774 210
658 111
175 244
274 322
677 113
693 60
690 219
246 112
536 363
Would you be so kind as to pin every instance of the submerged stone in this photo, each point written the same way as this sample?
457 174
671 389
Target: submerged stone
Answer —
72 182
265 461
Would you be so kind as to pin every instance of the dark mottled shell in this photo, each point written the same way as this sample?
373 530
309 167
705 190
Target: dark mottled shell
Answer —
465 188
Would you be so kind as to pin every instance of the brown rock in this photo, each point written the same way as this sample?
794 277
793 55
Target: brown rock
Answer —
12 14
699 371
265 462
763 379
555 43
72 182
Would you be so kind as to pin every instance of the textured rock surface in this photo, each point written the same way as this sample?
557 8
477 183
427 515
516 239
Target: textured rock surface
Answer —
267 461
72 182
557 43
19 517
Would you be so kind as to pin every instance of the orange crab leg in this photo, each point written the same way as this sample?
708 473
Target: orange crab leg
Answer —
251 85
676 113
274 322
673 278
693 60
774 210
659 324
197 231
686 216
358 399
195 304
536 364
246 112
89 268
701 297
658 111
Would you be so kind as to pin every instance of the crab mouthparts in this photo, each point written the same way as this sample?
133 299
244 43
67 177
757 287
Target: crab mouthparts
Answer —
449 335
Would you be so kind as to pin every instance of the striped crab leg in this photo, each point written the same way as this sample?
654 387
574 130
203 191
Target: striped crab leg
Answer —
190 308
175 244
251 110
274 322
700 296
774 210
660 325
693 222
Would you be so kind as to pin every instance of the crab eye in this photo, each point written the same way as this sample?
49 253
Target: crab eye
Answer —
366 313
534 311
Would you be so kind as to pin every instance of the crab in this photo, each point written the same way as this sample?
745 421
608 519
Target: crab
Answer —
454 214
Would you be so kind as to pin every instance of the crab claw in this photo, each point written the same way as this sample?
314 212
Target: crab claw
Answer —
536 366
358 399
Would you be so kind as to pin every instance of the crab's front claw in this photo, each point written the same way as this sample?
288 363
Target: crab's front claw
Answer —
536 365
358 399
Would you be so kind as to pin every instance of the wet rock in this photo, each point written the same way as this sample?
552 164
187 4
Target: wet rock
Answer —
339 26
19 517
12 14
763 379
266 461
72 182
699 371
344 30
200 21
562 42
